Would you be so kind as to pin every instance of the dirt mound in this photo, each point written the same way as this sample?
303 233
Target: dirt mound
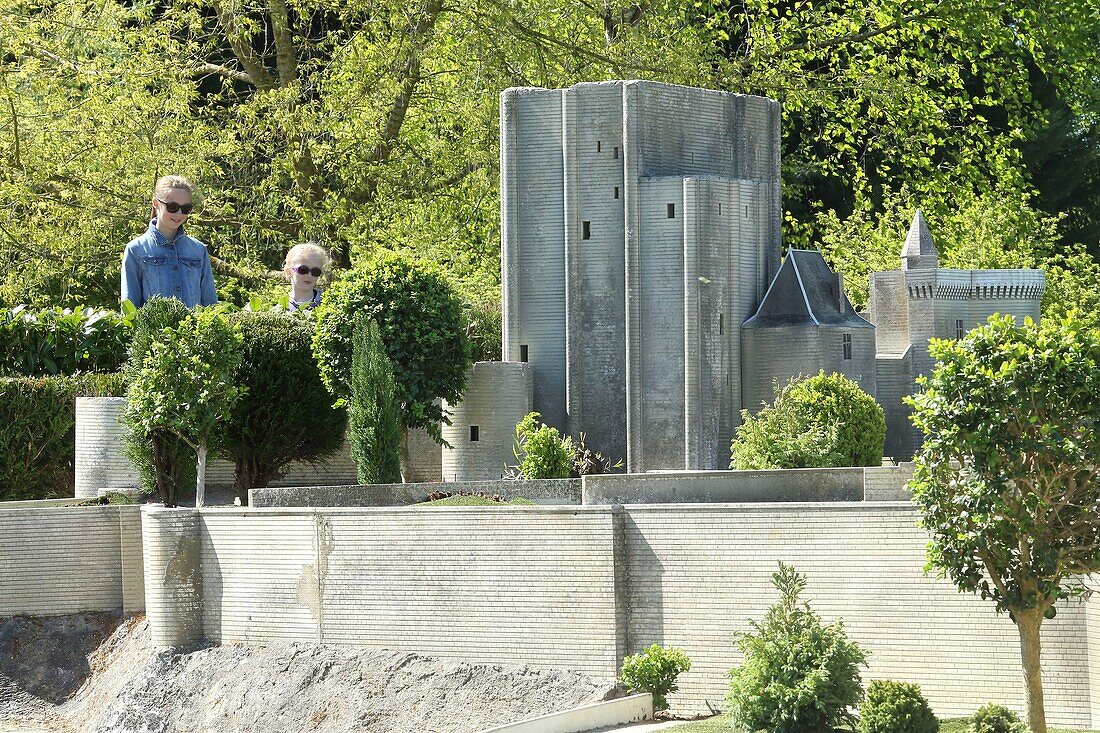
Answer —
302 687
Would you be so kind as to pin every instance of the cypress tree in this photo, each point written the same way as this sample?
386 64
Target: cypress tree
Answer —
374 423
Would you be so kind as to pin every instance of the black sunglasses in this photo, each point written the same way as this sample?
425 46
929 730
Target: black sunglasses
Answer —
172 207
304 270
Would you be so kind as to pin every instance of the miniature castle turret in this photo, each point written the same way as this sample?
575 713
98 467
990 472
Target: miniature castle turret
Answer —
922 301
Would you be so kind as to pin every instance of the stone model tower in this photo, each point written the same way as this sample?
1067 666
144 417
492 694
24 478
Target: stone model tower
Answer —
640 227
922 301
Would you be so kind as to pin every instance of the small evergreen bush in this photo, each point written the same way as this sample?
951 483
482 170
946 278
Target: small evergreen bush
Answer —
286 414
896 707
993 718
374 428
655 671
799 675
815 422
165 463
38 431
541 450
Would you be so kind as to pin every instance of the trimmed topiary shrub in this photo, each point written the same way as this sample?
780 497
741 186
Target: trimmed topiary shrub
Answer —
815 422
799 675
655 671
286 414
164 462
541 450
422 325
896 707
186 386
38 432
993 718
374 420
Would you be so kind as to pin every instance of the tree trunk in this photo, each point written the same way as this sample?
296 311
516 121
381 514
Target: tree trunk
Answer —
1028 623
200 478
406 462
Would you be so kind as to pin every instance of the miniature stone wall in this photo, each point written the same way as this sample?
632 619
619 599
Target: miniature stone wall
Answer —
545 491
579 587
58 560
101 461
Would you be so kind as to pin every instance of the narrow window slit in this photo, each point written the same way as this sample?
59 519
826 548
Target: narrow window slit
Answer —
586 230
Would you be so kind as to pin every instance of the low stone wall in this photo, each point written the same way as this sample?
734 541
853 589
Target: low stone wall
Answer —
579 587
710 487
101 461
547 491
57 560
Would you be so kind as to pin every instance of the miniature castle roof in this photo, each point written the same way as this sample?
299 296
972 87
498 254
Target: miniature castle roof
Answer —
805 292
919 251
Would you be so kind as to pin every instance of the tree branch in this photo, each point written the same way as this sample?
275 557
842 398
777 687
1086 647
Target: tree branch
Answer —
244 53
285 57
206 68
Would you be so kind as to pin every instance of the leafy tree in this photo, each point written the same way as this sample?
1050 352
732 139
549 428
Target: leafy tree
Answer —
1007 479
186 386
799 675
374 418
163 460
422 325
815 422
285 414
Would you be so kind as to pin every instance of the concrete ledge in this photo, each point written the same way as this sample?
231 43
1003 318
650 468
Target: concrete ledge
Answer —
547 491
710 487
38 503
586 718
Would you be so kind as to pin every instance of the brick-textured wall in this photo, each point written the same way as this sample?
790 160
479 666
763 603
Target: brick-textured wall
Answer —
58 560
510 585
579 587
697 574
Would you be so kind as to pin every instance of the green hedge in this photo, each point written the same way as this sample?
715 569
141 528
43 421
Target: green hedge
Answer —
62 341
38 432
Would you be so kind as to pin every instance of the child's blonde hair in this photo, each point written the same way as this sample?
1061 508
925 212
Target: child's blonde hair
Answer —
165 185
306 249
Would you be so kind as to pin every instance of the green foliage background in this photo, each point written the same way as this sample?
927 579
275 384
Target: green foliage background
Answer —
373 124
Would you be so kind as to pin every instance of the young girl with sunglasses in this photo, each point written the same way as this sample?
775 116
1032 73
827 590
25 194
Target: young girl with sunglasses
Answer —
165 261
303 267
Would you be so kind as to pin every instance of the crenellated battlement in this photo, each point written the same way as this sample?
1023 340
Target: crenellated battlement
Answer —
976 285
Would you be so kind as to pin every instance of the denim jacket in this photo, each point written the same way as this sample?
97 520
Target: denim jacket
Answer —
180 268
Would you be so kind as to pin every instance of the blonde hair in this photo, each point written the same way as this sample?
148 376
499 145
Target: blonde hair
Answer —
306 249
166 184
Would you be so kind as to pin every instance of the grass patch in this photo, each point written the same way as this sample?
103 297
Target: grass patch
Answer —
721 724
464 500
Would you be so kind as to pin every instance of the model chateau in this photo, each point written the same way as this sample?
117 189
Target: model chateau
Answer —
646 300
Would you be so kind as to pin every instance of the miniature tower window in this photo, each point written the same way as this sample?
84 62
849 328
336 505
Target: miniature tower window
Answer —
959 331
586 230
599 146
670 211
721 324
616 192
847 341
616 153
475 434
523 352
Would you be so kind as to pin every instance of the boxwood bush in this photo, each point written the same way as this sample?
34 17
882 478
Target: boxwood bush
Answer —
993 718
815 422
38 432
286 414
896 707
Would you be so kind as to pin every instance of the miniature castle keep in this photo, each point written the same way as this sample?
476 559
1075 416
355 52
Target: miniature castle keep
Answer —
644 295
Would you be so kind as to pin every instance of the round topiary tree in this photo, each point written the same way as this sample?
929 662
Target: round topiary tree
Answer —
815 422
286 414
896 707
422 325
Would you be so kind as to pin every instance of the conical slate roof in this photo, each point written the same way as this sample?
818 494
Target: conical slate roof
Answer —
805 292
919 251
